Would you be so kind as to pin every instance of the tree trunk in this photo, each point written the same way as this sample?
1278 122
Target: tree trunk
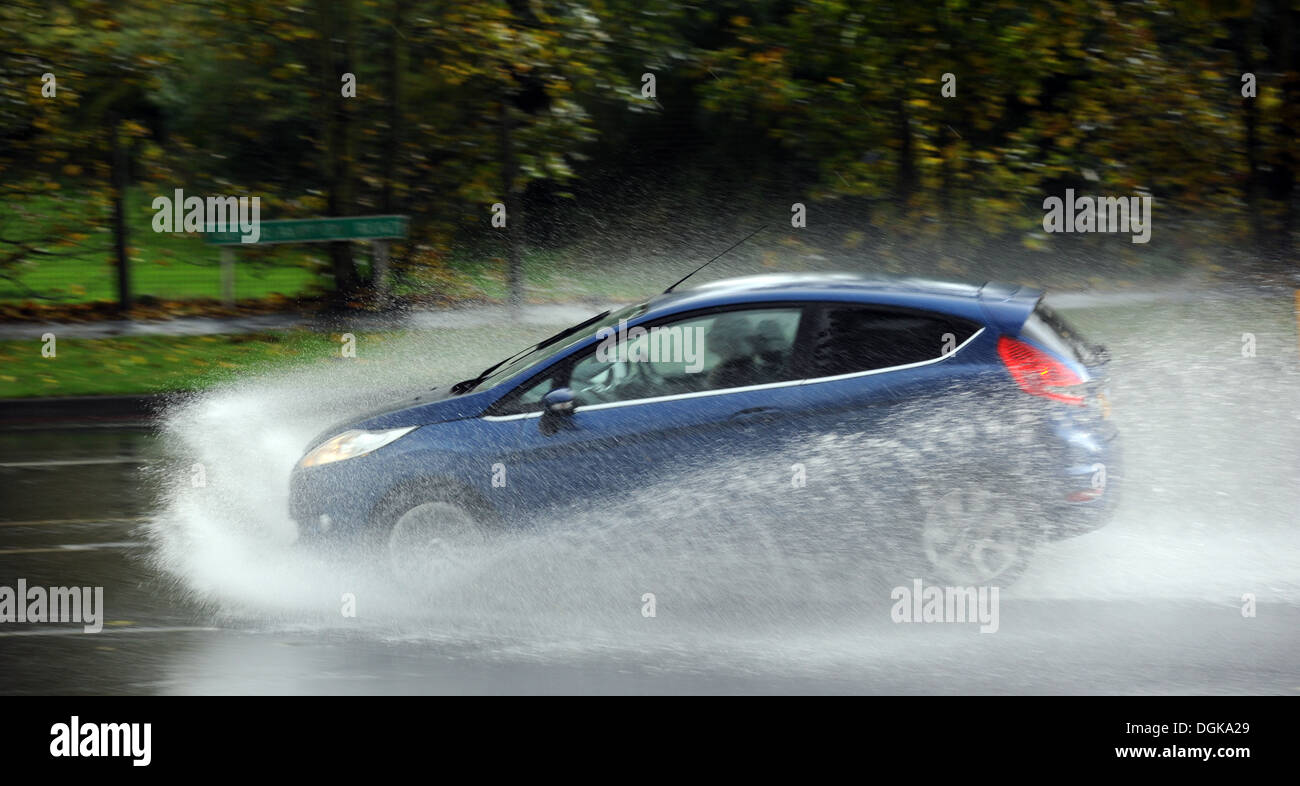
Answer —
334 20
117 162
396 68
514 213
1243 38
1285 163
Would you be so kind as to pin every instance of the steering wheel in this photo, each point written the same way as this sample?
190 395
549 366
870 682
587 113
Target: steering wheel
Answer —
649 374
606 381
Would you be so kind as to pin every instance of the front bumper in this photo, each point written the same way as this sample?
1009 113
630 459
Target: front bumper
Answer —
330 502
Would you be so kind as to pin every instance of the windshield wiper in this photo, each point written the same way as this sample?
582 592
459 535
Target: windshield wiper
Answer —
467 385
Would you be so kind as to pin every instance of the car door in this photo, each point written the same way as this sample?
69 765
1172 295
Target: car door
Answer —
650 420
862 357
870 369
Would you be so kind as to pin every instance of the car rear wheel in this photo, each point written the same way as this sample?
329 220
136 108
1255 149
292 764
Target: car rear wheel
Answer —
976 535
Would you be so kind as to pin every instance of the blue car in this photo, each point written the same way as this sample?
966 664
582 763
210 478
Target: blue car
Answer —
972 420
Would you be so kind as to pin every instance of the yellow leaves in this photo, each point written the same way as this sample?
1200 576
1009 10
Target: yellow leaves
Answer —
951 266
1034 241
72 170
767 57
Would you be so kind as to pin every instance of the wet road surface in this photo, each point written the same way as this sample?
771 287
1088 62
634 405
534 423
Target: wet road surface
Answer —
1151 604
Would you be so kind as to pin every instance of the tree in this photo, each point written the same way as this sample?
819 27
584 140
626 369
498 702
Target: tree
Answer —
73 79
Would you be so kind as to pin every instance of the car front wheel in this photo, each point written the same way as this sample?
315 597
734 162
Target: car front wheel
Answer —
435 536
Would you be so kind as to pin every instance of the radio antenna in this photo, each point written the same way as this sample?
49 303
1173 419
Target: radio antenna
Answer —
706 264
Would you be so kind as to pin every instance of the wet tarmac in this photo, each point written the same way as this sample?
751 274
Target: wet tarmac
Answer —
1152 604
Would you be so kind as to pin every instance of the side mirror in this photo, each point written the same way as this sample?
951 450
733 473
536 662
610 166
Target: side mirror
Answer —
557 408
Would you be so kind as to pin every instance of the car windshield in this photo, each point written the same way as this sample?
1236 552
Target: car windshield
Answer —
542 354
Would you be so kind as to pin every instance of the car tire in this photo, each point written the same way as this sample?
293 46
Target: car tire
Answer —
432 533
952 494
973 534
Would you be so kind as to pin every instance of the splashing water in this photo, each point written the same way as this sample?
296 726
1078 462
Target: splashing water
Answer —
1212 443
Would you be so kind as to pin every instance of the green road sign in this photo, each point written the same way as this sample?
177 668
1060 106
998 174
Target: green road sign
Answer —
317 230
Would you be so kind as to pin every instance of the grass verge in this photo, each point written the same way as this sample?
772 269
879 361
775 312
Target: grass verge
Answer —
157 364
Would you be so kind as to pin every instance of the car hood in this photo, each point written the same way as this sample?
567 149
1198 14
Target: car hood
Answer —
437 405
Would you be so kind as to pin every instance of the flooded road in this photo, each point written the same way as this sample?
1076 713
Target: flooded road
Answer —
1153 603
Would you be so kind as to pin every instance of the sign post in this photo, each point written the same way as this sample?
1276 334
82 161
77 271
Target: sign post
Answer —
228 275
379 264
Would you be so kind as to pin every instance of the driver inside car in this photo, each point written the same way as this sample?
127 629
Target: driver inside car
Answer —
730 340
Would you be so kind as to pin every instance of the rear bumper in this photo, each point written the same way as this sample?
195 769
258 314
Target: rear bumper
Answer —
1091 489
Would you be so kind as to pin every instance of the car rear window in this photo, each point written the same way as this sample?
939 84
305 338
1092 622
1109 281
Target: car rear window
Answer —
848 339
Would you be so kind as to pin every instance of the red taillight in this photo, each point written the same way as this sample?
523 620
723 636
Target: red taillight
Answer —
1038 373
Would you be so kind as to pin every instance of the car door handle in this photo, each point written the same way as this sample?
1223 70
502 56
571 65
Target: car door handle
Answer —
755 414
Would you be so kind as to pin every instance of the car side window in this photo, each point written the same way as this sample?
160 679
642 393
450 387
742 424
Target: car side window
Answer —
713 351
529 398
848 338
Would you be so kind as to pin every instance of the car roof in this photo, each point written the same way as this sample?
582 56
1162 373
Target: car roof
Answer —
984 302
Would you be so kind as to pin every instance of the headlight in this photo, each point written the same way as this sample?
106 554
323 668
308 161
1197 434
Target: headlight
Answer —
351 444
